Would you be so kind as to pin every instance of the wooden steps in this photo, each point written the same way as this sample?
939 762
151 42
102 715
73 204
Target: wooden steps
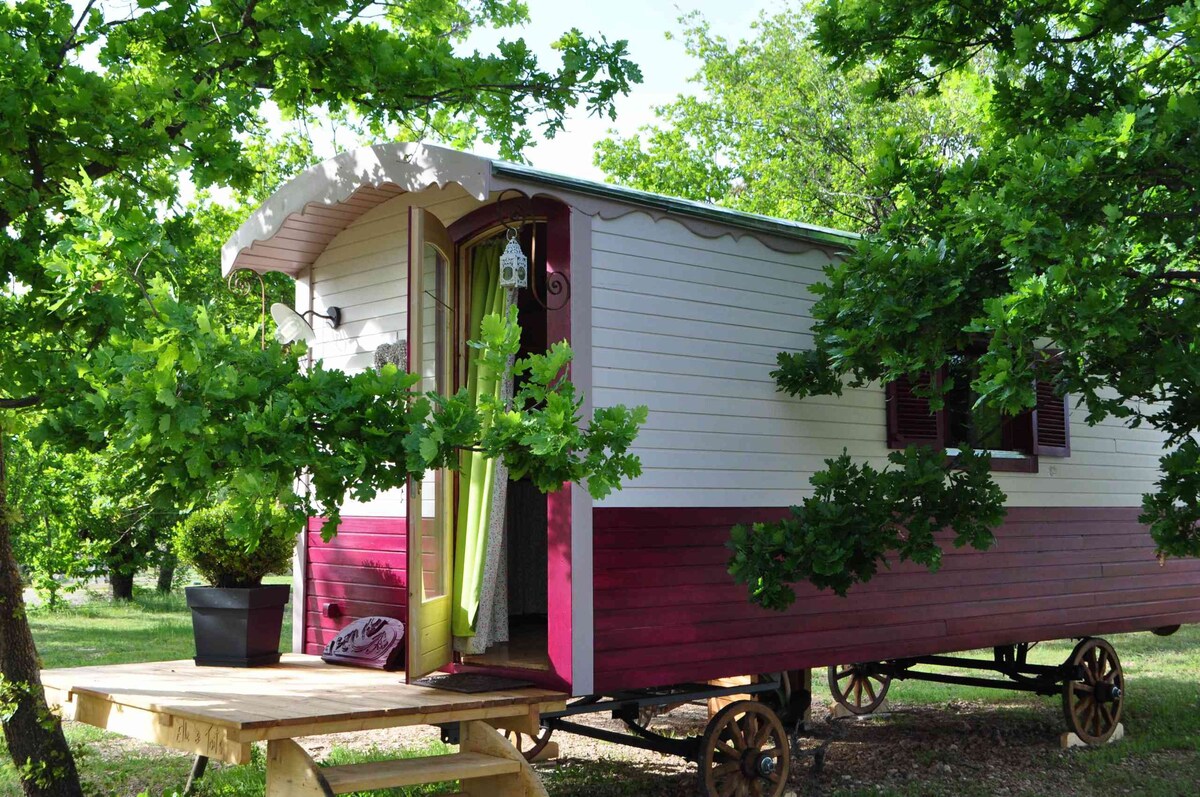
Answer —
416 771
486 766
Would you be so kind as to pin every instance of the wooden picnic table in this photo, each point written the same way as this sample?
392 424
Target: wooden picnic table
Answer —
220 712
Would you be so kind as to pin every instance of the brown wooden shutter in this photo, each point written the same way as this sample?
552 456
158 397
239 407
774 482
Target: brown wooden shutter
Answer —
1051 423
910 421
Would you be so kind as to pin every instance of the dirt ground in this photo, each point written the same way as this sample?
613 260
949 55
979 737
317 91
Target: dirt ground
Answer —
957 748
954 748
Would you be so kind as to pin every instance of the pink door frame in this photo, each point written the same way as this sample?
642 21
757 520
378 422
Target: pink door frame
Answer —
558 504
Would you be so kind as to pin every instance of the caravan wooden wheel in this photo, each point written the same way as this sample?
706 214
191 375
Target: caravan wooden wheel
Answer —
529 746
744 752
857 689
1095 692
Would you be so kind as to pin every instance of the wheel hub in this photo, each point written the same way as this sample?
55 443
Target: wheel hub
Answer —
757 765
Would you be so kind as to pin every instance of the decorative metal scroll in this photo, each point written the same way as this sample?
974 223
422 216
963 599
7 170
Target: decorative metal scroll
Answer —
557 285
235 282
375 642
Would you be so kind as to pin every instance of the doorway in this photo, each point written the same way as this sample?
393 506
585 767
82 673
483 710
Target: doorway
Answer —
522 580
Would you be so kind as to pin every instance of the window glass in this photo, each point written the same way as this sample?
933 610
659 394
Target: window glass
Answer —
970 426
434 368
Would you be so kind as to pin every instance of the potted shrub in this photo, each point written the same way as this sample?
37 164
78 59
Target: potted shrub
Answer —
237 620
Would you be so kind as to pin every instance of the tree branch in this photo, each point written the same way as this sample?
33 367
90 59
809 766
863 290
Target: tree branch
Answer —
69 43
1170 275
20 403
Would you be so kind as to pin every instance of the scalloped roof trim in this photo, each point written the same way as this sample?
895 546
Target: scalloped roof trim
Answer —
409 166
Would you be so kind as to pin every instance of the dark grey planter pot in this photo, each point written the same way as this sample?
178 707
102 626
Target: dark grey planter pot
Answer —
237 627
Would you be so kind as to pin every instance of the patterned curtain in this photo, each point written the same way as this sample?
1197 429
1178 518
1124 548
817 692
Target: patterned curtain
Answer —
480 612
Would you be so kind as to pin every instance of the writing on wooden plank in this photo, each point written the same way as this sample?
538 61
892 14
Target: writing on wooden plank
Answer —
177 733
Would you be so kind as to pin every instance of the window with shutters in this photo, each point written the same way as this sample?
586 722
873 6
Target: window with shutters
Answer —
1015 442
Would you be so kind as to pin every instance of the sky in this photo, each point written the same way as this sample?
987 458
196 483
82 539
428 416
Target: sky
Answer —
665 65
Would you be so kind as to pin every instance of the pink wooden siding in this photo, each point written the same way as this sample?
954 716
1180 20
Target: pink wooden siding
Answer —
666 610
361 571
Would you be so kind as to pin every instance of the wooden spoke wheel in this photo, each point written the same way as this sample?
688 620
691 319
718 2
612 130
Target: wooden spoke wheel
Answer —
529 746
647 715
857 689
1095 692
744 752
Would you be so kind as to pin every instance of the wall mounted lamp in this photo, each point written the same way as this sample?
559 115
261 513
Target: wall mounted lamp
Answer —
292 326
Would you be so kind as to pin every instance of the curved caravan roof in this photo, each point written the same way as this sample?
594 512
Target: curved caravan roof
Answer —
298 221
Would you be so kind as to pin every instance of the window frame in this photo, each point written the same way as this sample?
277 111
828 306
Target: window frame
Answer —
902 405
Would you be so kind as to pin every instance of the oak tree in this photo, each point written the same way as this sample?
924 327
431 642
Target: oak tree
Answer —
1064 246
775 129
104 106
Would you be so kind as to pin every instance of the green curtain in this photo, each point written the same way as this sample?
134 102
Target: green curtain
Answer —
478 474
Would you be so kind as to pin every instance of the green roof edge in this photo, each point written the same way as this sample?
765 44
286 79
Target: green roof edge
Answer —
684 207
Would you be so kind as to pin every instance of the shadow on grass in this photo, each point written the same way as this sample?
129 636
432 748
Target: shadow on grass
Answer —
1011 747
617 778
250 780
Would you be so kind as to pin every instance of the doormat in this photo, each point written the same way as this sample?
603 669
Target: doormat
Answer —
471 683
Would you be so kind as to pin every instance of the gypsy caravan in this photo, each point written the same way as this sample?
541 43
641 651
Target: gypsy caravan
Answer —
682 307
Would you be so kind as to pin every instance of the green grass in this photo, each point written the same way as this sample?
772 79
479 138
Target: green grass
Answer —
1162 674
152 627
1159 756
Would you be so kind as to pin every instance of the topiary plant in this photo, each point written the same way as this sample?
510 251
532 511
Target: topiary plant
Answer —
202 540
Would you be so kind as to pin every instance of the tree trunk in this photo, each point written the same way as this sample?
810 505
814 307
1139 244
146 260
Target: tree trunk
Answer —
166 571
122 561
122 585
34 735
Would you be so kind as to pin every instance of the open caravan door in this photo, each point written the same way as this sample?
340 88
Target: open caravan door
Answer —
430 544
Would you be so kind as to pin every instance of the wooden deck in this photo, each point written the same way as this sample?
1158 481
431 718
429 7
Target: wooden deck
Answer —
218 712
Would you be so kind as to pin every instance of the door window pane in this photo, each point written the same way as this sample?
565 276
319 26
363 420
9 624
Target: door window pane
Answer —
435 376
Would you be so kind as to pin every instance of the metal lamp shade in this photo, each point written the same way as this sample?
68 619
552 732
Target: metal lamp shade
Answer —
289 326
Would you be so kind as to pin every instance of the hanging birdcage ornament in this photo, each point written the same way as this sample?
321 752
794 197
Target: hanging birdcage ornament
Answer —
514 266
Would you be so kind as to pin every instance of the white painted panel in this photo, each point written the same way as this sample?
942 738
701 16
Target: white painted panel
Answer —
691 328
704 285
797 431
682 351
582 565
677 240
364 271
361 298
620 318
704 267
634 301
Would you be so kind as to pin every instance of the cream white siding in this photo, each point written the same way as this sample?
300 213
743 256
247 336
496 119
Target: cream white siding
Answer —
364 271
691 327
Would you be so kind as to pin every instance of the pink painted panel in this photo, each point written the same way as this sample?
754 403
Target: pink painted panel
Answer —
331 556
558 504
359 573
666 610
